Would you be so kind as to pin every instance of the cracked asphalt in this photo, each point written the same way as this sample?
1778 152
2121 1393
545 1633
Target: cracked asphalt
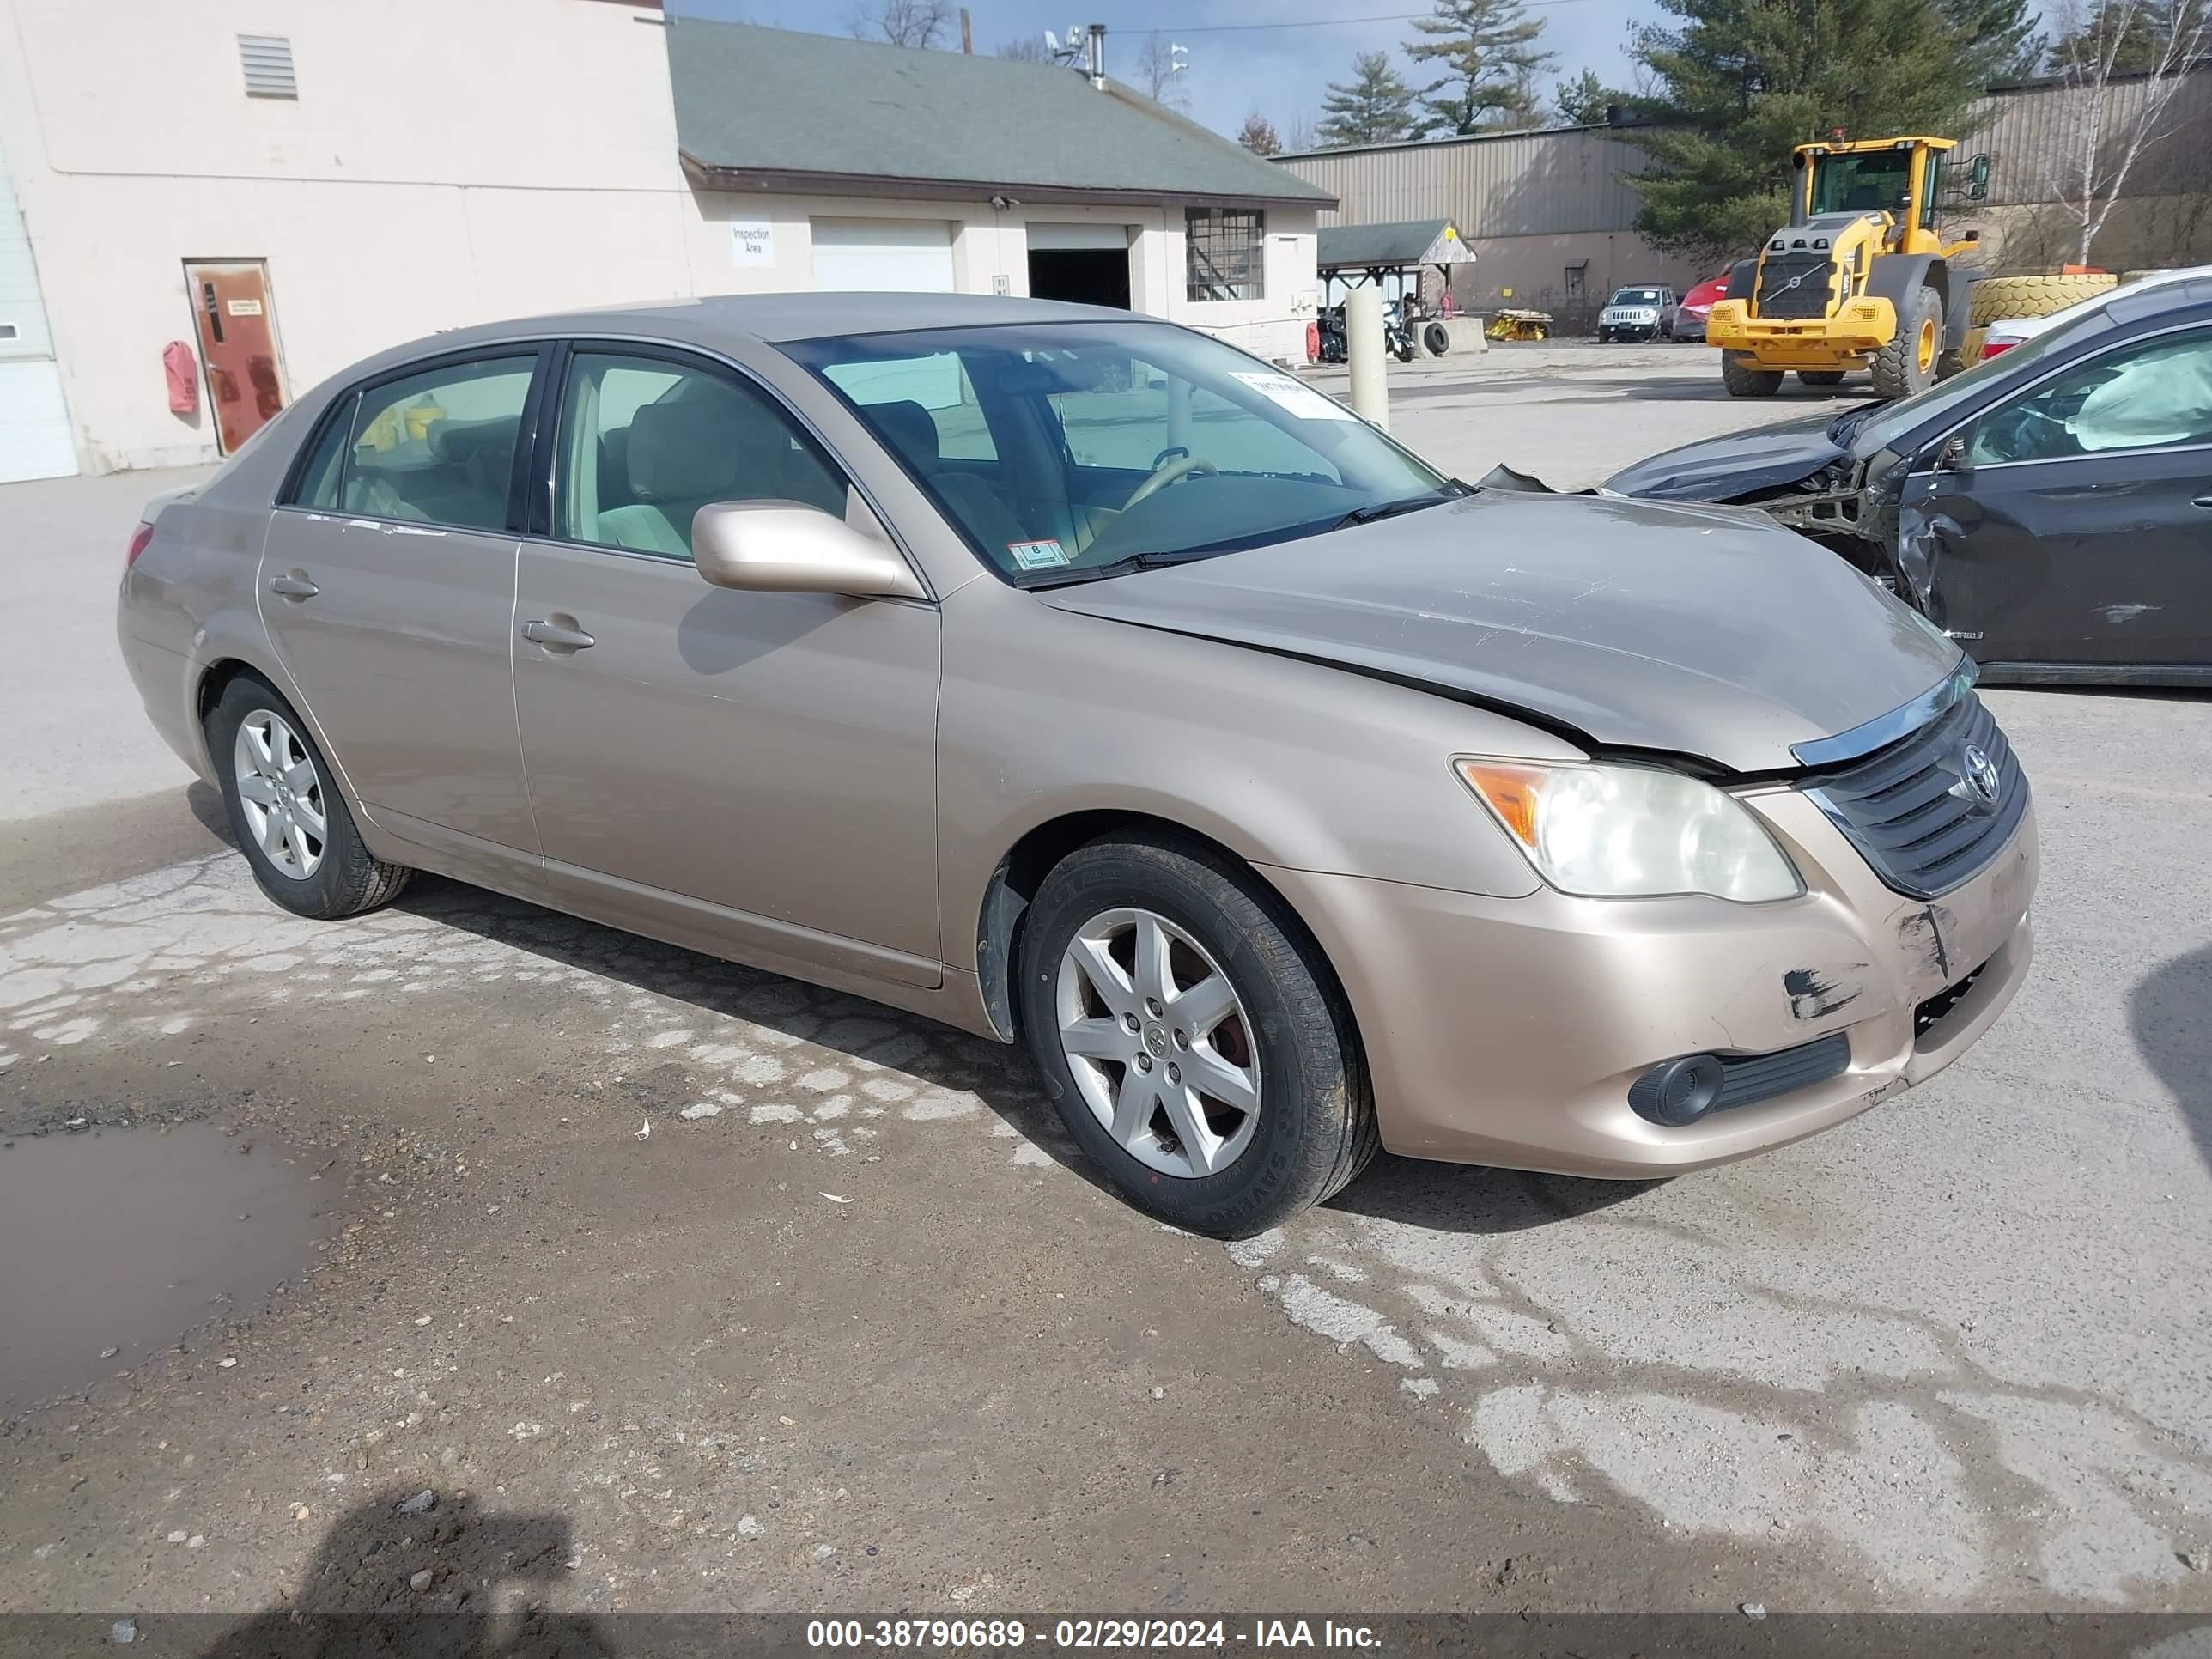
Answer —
696 1288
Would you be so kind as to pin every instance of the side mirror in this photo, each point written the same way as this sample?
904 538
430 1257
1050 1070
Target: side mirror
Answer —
785 547
1953 457
1977 178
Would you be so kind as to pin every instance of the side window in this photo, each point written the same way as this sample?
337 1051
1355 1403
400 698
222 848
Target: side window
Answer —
438 447
2152 395
317 485
926 405
646 442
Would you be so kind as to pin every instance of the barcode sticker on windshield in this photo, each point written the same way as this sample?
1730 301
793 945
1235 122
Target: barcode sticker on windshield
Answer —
1037 556
1301 401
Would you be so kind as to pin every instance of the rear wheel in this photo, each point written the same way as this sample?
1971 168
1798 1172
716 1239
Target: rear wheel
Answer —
1744 378
1907 364
1193 1037
292 823
1821 376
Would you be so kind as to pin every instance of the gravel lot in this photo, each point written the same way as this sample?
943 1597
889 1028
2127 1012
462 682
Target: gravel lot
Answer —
687 1287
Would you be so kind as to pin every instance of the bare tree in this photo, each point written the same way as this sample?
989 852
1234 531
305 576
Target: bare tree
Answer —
1159 74
903 23
1030 48
2108 116
1299 133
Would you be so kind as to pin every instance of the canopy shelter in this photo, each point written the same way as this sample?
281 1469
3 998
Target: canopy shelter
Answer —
1393 255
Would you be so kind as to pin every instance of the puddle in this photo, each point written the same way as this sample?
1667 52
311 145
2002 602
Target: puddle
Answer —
129 1238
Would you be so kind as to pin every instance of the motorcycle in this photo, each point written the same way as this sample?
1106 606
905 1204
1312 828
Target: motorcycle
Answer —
1397 339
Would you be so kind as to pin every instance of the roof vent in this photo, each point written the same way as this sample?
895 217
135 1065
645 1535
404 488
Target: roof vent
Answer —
267 60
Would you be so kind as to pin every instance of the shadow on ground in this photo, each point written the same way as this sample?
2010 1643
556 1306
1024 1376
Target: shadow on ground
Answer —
424 1574
2170 1013
1450 1198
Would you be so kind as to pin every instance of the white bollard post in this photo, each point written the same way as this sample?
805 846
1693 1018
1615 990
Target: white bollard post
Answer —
1362 346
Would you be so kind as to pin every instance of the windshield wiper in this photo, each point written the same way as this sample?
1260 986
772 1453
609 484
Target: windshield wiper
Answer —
1452 489
1120 566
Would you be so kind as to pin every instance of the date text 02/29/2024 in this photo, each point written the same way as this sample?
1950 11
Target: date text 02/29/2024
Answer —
1124 1635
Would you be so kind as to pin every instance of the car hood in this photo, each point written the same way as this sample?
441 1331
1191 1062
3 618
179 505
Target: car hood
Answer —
1720 469
1706 632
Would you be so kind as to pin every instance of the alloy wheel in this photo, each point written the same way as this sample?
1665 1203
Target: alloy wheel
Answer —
1158 1043
281 794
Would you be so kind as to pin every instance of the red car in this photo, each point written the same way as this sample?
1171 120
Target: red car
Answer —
1690 315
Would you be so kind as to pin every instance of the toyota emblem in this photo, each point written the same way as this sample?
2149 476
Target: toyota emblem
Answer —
1979 774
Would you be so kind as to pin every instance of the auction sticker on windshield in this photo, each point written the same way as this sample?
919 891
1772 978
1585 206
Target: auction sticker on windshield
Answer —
1038 556
1301 401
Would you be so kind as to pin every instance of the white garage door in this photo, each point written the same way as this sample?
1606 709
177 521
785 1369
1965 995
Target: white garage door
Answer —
908 256
34 424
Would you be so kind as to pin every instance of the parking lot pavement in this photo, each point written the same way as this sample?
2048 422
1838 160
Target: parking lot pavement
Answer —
735 1294
1574 412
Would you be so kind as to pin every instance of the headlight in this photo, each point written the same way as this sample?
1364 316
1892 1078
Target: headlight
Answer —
1607 831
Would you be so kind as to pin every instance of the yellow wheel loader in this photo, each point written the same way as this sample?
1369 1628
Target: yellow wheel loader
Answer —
1859 277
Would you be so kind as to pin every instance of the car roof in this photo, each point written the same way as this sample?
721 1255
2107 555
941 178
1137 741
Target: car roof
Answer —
780 317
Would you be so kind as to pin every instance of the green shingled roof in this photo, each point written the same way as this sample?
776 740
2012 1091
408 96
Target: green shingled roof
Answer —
762 108
1398 242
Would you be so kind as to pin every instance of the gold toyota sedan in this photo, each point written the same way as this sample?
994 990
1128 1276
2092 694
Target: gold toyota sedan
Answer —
1082 682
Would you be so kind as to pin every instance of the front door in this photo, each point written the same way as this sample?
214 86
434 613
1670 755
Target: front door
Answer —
712 764
2073 523
387 585
237 328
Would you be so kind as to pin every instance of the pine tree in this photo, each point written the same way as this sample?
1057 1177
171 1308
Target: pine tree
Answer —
1376 107
1259 135
1585 101
1742 81
1488 52
2001 38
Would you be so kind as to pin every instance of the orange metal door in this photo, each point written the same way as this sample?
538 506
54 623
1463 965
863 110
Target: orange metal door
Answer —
237 330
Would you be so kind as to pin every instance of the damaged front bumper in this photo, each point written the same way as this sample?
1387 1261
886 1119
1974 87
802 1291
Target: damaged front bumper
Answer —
1510 1031
1859 327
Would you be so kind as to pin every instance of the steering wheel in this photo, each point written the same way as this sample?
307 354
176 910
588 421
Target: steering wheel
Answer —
1173 466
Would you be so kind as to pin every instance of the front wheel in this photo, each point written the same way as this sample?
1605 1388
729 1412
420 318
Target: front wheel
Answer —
294 826
1907 364
1744 378
1192 1035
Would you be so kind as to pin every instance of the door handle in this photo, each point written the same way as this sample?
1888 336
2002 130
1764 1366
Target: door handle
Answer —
559 637
2202 501
294 587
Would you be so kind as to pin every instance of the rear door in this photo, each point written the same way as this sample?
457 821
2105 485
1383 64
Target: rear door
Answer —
387 585
2072 523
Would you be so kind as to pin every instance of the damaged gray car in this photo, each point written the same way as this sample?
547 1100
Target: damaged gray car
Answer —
2050 508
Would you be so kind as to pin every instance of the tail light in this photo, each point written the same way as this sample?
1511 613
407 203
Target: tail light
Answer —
139 537
1992 347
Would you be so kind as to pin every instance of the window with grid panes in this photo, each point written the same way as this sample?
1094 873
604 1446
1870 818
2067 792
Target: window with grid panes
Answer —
1225 253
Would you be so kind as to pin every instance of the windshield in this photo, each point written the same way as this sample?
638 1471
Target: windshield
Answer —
1878 426
1879 181
1637 296
1061 450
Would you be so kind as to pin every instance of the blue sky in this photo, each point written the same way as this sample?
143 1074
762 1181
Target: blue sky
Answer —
1282 69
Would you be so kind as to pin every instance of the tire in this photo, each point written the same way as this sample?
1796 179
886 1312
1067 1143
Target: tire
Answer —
1996 298
1908 364
1820 376
1405 353
1436 339
1605 337
1744 378
252 733
1311 1128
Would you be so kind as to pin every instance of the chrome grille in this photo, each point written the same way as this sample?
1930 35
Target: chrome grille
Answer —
1911 811
1775 298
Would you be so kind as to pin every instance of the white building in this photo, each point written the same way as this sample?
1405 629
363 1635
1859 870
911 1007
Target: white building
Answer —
282 203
